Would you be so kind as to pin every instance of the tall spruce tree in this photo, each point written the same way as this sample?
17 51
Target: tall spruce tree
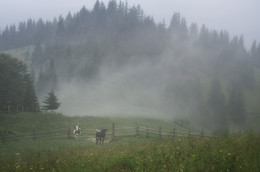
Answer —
51 102
30 99
16 87
217 107
236 106
47 80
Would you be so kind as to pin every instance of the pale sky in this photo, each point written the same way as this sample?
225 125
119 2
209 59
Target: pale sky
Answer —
238 17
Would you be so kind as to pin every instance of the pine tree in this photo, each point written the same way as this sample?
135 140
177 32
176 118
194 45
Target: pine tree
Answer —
47 80
193 31
51 102
52 76
30 99
96 7
217 107
60 32
111 7
236 106
16 86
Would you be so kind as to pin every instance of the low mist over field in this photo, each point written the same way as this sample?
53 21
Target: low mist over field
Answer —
132 89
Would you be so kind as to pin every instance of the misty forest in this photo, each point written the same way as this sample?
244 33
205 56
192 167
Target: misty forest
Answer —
115 60
114 64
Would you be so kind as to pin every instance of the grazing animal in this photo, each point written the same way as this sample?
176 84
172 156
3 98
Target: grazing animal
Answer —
100 136
76 131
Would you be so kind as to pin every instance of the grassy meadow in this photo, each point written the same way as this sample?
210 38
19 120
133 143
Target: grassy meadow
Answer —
130 153
231 153
27 122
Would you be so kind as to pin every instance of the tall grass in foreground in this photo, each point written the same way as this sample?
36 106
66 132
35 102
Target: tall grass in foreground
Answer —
226 153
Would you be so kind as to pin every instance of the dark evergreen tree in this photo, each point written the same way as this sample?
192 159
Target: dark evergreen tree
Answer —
37 55
41 86
96 7
236 106
204 36
255 54
52 76
217 107
16 87
12 77
51 102
61 30
194 31
30 98
47 79
175 22
258 52
111 7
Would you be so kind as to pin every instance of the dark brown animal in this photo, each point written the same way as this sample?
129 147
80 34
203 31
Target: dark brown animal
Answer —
100 136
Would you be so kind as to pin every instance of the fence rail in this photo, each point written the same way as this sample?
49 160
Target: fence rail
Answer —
111 134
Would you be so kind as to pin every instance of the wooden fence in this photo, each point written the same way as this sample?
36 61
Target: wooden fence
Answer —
18 108
110 135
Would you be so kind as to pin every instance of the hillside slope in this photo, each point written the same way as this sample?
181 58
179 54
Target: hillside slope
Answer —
27 122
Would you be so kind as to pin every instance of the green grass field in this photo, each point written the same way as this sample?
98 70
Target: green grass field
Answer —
129 153
27 122
231 153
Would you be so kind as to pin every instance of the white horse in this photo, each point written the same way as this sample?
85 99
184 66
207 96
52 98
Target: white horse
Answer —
76 131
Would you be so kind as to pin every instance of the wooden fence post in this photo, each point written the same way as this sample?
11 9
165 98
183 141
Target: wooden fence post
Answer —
147 132
3 138
202 133
137 130
69 133
34 134
113 131
160 132
189 136
8 109
173 132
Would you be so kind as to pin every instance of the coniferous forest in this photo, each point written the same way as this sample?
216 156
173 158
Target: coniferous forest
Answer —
115 59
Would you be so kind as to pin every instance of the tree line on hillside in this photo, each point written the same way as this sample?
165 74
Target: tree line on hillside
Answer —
17 88
16 85
76 47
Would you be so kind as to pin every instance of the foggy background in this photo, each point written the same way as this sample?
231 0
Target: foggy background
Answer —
236 16
115 59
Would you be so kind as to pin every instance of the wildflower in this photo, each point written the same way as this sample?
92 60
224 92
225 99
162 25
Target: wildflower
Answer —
18 166
229 154
220 150
193 155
